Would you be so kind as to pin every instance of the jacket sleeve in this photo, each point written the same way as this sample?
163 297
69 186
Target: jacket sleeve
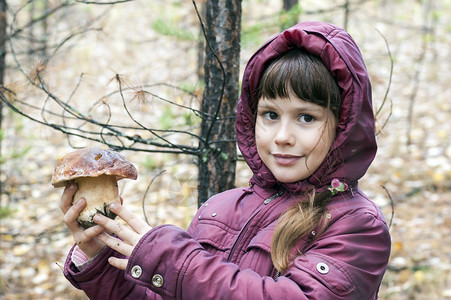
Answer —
346 263
177 267
100 280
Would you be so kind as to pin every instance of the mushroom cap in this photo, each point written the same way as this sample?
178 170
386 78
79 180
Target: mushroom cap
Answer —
92 162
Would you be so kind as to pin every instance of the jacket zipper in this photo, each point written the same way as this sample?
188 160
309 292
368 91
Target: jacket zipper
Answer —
276 195
249 222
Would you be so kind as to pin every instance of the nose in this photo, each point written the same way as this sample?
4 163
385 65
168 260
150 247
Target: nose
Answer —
284 135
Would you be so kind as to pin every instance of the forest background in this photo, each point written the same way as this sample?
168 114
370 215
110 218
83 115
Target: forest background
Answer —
119 50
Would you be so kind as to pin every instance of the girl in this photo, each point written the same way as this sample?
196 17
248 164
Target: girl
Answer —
301 230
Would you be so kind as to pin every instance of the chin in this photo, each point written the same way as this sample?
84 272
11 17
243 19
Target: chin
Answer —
290 179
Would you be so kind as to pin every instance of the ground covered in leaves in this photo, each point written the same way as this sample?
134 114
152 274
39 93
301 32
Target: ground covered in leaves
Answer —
410 179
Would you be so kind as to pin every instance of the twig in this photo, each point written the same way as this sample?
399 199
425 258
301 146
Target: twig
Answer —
145 195
388 86
421 59
413 96
182 149
344 5
392 206
139 123
104 3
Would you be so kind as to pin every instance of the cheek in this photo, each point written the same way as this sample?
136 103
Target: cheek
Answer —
326 140
259 139
320 144
260 132
330 134
262 139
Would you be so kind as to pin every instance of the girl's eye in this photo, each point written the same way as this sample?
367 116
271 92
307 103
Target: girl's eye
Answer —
307 118
270 115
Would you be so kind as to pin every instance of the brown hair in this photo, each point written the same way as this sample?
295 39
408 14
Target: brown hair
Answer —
303 74
306 76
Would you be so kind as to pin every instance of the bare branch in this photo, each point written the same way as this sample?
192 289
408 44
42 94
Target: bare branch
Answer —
104 3
145 195
388 86
392 205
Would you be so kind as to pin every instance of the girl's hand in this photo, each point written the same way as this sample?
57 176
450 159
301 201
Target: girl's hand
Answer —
86 239
129 236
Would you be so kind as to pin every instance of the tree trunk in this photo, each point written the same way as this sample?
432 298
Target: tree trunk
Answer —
346 17
290 14
218 159
289 4
3 38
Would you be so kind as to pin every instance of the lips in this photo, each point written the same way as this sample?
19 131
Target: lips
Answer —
286 159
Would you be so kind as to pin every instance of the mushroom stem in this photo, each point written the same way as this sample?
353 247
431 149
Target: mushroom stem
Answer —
99 193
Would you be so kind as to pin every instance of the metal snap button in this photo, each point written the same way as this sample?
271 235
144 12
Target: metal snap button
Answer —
322 268
157 280
136 271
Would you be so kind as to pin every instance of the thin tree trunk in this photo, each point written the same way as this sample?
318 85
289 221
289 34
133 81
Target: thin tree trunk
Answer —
218 160
3 37
289 4
291 15
346 17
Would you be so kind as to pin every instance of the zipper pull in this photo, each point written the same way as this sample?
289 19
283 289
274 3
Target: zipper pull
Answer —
278 194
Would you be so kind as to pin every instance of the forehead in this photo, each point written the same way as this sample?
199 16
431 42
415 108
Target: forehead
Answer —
292 102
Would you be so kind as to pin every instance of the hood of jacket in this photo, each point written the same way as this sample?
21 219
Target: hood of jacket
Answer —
354 147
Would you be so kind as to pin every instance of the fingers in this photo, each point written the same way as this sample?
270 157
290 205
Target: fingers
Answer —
118 262
122 231
84 237
67 196
92 232
135 222
71 215
87 240
128 236
116 244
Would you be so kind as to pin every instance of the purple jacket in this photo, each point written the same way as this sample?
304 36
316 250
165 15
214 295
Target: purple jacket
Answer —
225 253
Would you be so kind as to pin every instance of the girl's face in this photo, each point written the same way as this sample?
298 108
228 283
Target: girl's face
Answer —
293 136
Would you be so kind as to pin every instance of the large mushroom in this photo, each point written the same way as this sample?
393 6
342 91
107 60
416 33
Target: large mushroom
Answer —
96 172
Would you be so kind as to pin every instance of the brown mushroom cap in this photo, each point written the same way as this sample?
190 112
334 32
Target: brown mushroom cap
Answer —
92 162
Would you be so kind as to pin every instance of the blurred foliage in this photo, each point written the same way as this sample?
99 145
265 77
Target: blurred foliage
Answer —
18 128
289 18
6 211
166 120
171 28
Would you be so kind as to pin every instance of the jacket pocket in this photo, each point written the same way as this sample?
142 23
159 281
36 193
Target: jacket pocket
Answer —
214 236
262 240
330 273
